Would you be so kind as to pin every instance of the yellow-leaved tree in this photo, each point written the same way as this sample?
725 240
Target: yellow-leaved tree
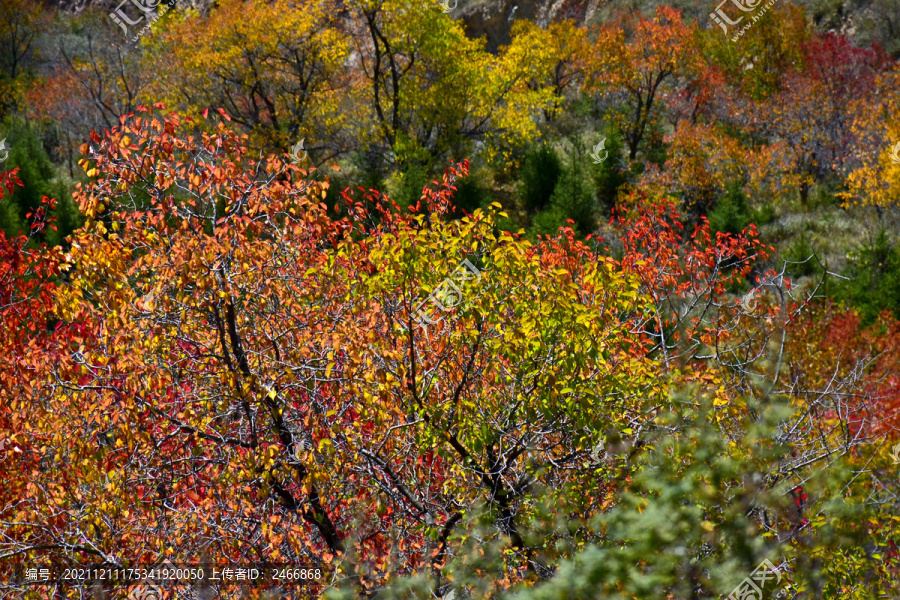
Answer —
277 68
432 91
876 181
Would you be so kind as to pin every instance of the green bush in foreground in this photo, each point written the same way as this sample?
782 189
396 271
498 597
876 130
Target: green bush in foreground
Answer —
700 514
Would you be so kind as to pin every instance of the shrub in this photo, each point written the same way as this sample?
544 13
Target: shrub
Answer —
800 255
413 178
574 198
731 214
609 175
548 222
40 178
470 194
874 279
540 173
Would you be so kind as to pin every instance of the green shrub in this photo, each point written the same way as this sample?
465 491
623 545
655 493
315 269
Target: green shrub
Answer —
371 165
731 214
338 182
412 179
547 222
763 215
655 148
801 257
574 197
609 175
40 178
541 171
470 194
874 279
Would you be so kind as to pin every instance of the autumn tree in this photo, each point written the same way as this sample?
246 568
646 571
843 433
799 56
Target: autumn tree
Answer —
432 91
641 60
702 161
812 114
755 64
250 356
111 414
91 77
279 69
20 28
33 338
235 373
876 124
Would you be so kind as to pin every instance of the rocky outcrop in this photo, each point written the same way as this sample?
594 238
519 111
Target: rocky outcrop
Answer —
493 19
